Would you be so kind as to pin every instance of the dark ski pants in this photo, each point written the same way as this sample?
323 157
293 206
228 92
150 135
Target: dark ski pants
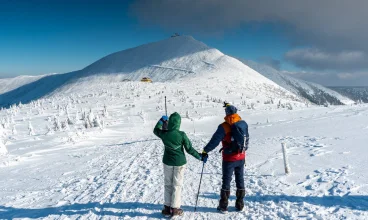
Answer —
228 168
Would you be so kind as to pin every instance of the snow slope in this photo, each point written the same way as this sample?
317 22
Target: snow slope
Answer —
9 84
358 93
115 172
315 93
180 59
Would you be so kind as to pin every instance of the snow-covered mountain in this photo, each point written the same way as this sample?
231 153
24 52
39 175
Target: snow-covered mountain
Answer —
313 92
176 60
8 84
358 93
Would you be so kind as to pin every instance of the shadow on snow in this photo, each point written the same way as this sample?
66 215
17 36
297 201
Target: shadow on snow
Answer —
122 209
349 202
137 209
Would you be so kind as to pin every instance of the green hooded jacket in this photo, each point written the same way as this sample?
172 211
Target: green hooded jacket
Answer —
175 142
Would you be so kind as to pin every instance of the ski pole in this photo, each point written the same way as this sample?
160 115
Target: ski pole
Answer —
165 107
195 208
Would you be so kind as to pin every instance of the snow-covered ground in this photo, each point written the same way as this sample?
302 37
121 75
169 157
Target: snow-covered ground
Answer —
114 170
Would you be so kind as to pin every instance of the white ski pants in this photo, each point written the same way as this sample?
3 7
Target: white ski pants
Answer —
174 176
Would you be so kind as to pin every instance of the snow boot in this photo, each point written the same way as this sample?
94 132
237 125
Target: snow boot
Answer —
224 201
166 211
239 204
176 212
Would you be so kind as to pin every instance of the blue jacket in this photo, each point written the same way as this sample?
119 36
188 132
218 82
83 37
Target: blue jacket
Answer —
219 135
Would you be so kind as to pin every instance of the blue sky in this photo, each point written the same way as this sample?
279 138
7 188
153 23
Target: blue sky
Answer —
39 36
43 37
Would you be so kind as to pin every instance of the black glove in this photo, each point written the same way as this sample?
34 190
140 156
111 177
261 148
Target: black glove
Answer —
204 157
246 144
165 122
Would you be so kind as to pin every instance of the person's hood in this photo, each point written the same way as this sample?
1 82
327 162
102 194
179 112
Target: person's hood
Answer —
231 119
174 122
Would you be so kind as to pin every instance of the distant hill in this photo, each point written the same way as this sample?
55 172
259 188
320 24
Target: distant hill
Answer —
358 93
313 92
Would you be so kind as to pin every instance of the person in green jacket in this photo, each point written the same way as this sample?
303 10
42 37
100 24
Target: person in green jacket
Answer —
174 160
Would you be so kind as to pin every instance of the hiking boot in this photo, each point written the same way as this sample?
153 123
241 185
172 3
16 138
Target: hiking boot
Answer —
177 212
239 204
166 211
224 201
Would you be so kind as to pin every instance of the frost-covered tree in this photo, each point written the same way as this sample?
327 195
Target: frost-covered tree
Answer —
90 117
30 129
65 125
57 124
3 150
69 120
76 116
97 122
50 131
86 123
14 130
105 112
187 114
2 131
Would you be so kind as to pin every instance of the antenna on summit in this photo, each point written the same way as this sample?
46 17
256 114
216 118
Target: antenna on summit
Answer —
175 35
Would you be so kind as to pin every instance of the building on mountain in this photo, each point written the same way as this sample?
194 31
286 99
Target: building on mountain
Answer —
146 79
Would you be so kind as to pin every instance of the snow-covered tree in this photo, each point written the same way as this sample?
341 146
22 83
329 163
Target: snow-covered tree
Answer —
57 124
69 120
65 125
97 122
187 114
30 129
90 118
86 123
76 116
105 112
14 130
3 150
50 131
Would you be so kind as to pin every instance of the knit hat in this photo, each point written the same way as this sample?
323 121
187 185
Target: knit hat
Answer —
230 109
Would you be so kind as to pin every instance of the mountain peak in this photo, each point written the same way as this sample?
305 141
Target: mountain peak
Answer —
146 55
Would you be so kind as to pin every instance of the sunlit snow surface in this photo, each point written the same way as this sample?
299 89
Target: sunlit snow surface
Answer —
116 172
180 59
